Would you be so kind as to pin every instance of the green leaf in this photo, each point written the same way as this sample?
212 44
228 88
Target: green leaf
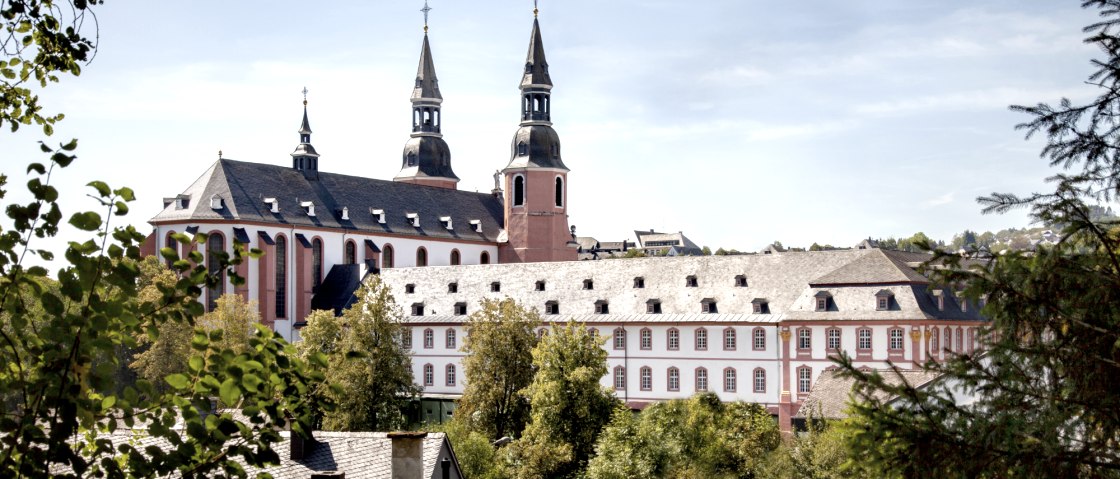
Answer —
86 221
196 364
178 381
229 392
101 187
108 402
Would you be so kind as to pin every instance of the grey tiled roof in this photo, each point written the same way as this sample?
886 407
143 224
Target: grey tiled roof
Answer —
243 187
427 85
831 393
876 267
536 67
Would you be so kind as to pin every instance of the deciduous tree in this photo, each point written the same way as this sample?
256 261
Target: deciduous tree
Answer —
498 365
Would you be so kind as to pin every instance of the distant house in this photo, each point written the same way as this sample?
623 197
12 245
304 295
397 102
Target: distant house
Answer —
662 244
591 248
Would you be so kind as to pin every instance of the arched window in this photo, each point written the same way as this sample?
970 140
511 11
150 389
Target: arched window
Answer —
804 379
351 252
729 339
215 249
450 375
429 338
759 339
646 339
429 375
522 149
619 378
673 339
559 192
421 256
451 338
759 380
518 190
701 339
172 244
281 277
701 379
933 340
730 380
387 256
646 376
455 258
316 264
484 258
674 377
960 341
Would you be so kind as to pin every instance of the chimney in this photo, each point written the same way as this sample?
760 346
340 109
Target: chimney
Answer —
298 446
408 454
328 475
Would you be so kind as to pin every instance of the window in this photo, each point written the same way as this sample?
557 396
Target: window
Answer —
933 340
741 281
316 264
429 339
351 253
804 379
864 336
759 380
406 338
674 379
496 287
552 307
452 287
484 257
639 282
620 338
619 378
701 339
215 252
559 192
822 300
450 335
729 339
421 256
759 306
701 379
594 332
522 149
456 258
588 284
602 307
804 338
451 375
281 276
646 379
646 338
708 306
429 375
673 339
960 341
833 339
541 333
896 339
881 303
172 244
690 281
387 256
539 286
653 306
519 185
460 309
729 380
409 288
759 339
417 309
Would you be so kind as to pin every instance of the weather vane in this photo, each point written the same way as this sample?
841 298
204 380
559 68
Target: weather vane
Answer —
305 96
426 9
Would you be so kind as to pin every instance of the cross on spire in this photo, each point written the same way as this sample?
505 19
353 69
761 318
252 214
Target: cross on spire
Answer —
426 9
304 96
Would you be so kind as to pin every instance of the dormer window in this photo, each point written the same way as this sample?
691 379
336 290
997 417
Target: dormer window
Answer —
445 221
345 215
216 202
378 215
963 302
639 282
409 288
452 287
708 306
460 309
552 307
308 207
883 300
588 284
653 306
417 309
413 219
539 286
476 225
273 205
602 307
690 281
822 299
522 149
760 306
496 287
741 281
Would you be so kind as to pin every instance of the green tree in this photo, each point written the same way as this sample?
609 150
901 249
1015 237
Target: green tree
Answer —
370 370
569 406
1043 395
706 251
821 452
498 365
477 456
627 451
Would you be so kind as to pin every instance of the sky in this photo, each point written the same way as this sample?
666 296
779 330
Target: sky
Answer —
738 122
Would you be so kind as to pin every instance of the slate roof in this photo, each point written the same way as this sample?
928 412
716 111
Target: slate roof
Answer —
243 187
427 85
876 267
831 393
536 67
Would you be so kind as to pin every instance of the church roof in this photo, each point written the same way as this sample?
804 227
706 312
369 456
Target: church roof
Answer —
243 188
427 85
536 67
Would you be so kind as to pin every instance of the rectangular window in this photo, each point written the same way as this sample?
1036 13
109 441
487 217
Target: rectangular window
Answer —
647 339
759 339
674 379
701 339
602 307
690 282
620 339
406 338
460 309
450 339
882 303
451 375
674 340
864 339
452 287
759 380
834 339
429 375
653 307
495 287
896 340
804 379
729 380
822 304
804 338
639 282
429 339
729 339
701 379
647 379
620 378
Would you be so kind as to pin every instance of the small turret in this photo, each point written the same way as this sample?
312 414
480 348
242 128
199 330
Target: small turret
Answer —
305 158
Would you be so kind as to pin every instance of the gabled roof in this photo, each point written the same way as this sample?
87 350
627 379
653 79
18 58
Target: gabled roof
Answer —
875 267
244 186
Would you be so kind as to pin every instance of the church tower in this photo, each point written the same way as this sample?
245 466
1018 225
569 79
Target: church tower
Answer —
305 158
536 180
427 159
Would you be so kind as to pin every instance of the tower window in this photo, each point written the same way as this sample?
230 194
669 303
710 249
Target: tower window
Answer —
522 149
409 288
559 192
518 190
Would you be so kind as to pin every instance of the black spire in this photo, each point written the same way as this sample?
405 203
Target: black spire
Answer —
536 144
305 158
536 67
